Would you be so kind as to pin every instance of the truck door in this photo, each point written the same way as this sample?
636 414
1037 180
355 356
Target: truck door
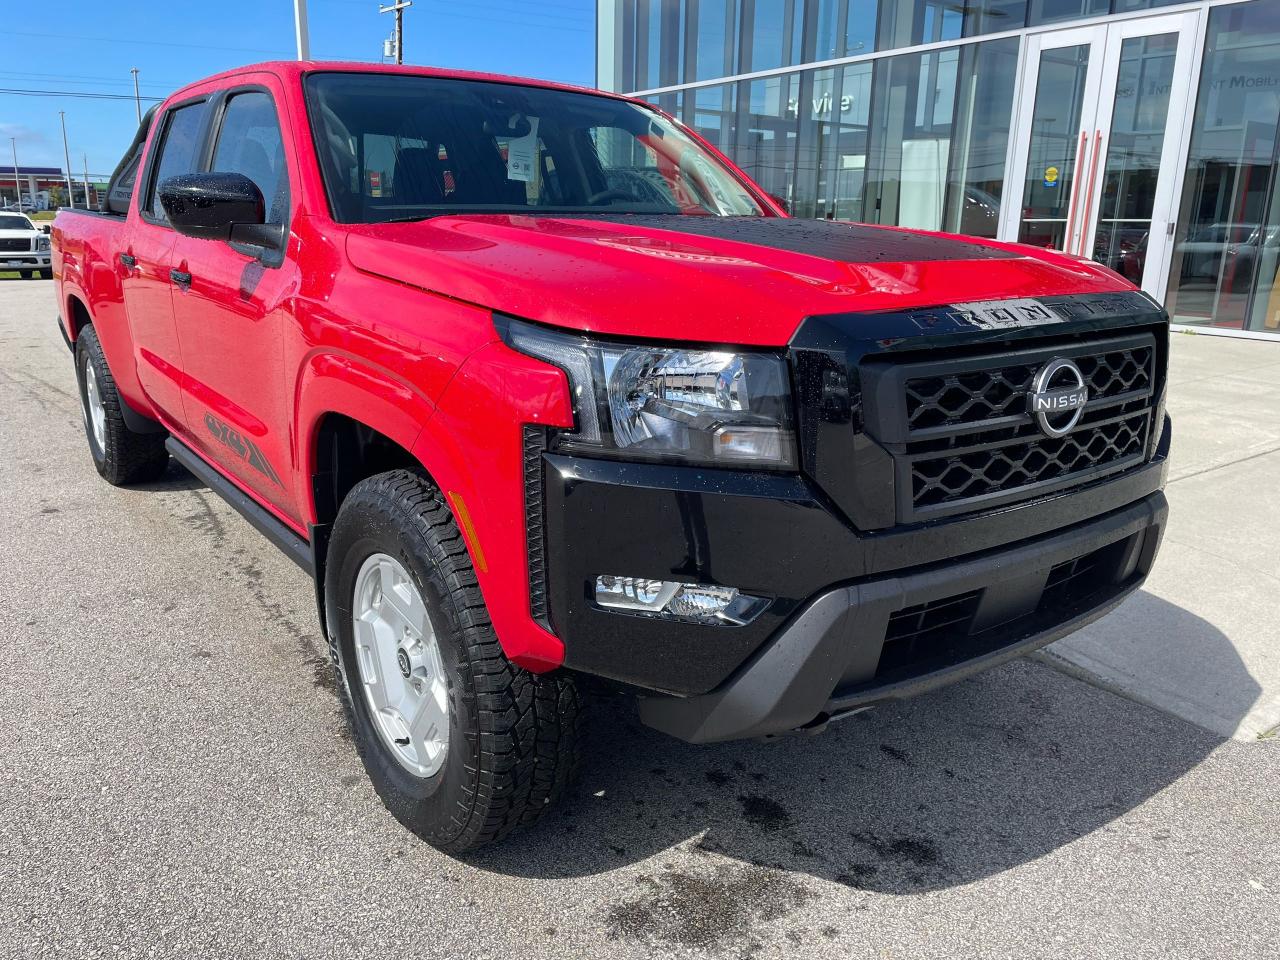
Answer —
232 304
145 260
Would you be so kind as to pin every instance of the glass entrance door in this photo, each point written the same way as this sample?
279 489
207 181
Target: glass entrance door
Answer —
1096 153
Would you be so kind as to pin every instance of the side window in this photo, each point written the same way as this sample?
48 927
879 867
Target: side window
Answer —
250 143
177 154
120 192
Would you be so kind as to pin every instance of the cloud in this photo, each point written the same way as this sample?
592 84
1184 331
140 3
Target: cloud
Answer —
24 134
34 148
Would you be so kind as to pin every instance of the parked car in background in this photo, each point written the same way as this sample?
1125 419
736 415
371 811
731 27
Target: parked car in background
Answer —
1226 253
537 386
23 247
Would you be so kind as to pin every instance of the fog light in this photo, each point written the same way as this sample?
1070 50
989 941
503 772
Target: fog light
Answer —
690 602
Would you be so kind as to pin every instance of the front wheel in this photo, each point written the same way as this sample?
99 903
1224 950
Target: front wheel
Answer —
461 744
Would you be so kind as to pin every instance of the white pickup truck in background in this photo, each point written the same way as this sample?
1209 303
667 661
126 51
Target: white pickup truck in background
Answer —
24 247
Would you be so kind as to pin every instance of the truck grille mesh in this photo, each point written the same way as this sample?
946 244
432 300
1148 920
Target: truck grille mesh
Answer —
982 394
963 440
15 245
1007 467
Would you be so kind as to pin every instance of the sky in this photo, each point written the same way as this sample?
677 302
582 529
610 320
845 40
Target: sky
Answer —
74 46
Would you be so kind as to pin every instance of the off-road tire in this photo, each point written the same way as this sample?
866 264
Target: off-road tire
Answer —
126 457
46 273
514 743
28 274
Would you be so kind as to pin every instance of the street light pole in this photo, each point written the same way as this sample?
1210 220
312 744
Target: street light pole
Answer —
137 99
17 183
300 29
398 8
71 199
86 181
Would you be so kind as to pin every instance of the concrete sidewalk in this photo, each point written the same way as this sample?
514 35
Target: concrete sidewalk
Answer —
1202 640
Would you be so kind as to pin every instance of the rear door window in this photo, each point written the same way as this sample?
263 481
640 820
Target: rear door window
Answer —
178 151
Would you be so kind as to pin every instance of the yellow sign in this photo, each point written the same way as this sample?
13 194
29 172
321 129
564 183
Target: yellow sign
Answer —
1050 174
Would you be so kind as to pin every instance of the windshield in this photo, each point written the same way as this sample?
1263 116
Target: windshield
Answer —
9 221
396 147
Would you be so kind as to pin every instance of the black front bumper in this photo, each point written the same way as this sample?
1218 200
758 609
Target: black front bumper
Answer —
854 617
839 654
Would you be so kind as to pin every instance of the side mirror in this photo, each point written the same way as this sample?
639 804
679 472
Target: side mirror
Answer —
219 206
46 228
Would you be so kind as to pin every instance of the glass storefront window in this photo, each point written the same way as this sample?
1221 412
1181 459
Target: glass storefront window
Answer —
839 112
910 150
715 39
1133 158
774 34
767 134
940 130
984 96
842 28
1223 270
1055 11
711 111
1055 120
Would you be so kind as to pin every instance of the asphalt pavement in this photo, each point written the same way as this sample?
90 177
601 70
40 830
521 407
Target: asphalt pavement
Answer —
176 779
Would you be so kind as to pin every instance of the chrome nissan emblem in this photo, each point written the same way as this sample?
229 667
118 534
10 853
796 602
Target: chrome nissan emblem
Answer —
1057 397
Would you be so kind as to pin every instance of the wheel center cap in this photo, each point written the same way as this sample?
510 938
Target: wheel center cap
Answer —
402 660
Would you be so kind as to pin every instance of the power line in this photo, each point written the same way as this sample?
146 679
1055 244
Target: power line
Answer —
521 11
81 78
510 22
512 17
80 94
148 43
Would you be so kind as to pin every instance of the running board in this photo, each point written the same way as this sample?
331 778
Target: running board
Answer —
294 547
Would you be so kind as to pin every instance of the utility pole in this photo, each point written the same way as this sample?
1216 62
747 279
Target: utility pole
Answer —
398 8
137 99
17 183
86 181
71 199
300 29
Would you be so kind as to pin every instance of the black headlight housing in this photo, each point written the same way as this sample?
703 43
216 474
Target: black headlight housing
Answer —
672 403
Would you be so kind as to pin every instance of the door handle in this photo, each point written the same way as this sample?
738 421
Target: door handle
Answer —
128 260
1088 197
180 278
1075 190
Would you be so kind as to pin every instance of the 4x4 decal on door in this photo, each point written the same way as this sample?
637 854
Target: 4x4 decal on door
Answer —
244 448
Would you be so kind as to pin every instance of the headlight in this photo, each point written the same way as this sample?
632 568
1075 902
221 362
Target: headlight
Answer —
42 243
654 402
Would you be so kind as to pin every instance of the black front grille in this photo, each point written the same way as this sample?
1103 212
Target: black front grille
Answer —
15 244
982 395
963 439
1023 464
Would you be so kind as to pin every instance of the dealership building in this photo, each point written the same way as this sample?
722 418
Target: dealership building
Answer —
1141 133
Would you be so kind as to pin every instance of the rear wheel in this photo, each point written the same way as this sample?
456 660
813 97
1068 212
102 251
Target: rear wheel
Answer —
461 744
120 455
28 274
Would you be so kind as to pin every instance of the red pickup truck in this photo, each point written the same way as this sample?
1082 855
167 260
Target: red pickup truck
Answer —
539 386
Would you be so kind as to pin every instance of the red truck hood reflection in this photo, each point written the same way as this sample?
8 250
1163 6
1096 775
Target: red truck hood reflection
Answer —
741 280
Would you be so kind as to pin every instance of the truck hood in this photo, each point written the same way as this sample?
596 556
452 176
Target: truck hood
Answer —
735 280
14 234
